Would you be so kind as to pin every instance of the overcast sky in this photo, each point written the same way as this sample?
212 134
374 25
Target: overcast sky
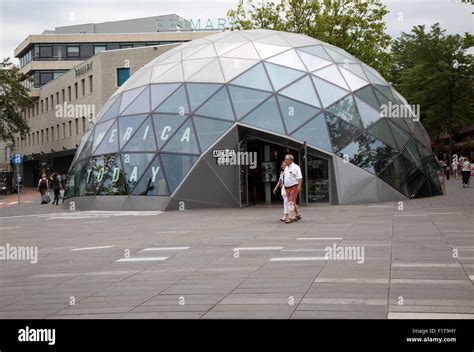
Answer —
19 18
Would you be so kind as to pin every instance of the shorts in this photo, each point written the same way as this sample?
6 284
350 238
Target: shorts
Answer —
292 194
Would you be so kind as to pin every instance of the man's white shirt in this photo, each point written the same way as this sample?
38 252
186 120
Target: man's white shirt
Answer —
292 175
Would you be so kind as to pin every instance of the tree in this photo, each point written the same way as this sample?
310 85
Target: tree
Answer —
14 98
432 69
354 26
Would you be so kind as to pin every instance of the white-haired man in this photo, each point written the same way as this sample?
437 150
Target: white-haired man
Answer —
293 181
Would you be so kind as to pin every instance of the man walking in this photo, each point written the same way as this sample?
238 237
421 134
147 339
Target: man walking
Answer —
293 181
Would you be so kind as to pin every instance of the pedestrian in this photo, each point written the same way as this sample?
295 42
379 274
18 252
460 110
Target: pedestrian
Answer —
466 172
43 188
454 166
57 187
293 181
281 183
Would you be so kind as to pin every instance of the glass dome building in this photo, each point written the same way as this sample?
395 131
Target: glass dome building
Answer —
181 132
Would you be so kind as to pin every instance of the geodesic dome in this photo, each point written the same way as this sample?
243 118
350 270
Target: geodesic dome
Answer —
155 128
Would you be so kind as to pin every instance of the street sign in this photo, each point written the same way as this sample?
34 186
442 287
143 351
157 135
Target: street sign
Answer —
17 159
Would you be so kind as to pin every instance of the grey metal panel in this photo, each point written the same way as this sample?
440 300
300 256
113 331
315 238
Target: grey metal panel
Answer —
128 205
190 204
387 193
350 179
81 203
203 186
141 203
368 194
112 203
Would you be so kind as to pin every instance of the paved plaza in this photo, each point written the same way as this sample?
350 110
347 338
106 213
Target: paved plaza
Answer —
417 262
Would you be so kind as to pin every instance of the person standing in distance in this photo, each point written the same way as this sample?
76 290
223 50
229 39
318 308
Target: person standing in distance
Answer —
293 181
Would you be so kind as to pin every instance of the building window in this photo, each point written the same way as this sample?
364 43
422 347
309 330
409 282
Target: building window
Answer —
57 98
64 130
37 137
46 52
83 124
57 74
52 133
77 127
46 103
57 129
42 136
73 51
64 95
126 46
76 93
42 107
91 88
47 135
99 48
83 87
52 102
123 74
45 77
69 93
37 108
70 128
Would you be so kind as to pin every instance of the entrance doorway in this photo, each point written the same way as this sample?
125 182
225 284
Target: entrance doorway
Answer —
257 181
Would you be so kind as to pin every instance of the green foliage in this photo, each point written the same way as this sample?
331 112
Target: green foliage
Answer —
14 98
356 27
433 69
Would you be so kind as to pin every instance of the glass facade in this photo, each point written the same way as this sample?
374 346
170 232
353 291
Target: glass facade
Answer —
165 117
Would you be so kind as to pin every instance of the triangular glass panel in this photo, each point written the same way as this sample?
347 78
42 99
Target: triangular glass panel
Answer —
128 96
172 56
143 139
346 109
177 103
288 59
373 76
394 175
295 113
340 131
386 90
134 165
302 90
207 51
401 136
110 110
313 62
282 76
211 73
329 93
99 132
190 67
92 177
127 126
246 99
113 178
183 141
160 92
382 99
381 130
411 153
166 126
266 116
160 69
367 94
338 56
332 75
199 92
86 150
246 51
218 106
153 182
421 135
209 130
267 50
256 78
317 50
176 167
381 154
352 80
224 47
234 67
368 114
140 104
358 153
256 35
355 69
299 39
275 40
174 74
140 78
109 143
315 133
